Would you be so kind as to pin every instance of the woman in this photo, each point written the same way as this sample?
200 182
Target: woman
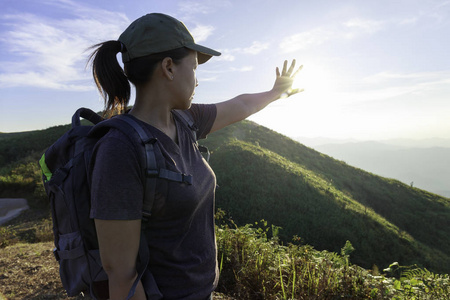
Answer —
160 58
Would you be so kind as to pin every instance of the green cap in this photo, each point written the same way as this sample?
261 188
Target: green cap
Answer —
156 33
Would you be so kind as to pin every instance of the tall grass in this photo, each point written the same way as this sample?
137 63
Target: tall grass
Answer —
256 266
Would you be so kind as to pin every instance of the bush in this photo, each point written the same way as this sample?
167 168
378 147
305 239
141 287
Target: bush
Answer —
24 181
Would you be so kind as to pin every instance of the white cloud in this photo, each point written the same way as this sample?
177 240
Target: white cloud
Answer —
201 32
408 21
230 54
407 78
255 48
306 39
189 8
350 29
227 55
386 85
51 53
242 69
364 26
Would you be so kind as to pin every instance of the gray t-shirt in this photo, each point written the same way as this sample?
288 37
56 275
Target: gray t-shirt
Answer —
180 232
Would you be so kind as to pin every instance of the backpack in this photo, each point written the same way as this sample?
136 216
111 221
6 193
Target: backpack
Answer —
65 166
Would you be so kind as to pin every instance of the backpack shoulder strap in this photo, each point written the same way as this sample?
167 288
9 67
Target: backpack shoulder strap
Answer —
153 162
187 120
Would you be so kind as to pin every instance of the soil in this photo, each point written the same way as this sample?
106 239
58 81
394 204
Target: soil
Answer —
30 271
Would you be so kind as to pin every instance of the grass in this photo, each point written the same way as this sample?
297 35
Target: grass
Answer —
253 263
254 266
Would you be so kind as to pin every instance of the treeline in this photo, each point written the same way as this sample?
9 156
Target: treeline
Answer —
15 147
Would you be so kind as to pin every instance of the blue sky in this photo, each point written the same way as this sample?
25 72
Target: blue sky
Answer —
372 69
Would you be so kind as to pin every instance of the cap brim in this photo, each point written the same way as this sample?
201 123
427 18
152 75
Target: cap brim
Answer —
203 53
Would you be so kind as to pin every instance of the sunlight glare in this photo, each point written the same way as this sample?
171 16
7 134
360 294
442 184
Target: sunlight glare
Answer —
317 111
315 80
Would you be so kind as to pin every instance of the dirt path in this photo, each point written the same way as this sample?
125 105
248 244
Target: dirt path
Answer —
11 208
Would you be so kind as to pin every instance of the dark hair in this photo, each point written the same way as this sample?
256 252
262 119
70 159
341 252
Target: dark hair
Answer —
113 82
139 70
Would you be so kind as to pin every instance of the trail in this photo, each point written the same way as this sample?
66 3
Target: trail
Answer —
10 208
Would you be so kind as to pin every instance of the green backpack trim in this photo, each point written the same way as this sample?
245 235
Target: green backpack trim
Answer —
45 170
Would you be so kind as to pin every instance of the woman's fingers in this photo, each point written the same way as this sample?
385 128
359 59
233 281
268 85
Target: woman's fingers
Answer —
291 68
284 68
286 71
298 70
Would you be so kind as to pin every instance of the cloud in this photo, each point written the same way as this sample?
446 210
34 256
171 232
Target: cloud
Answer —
242 69
255 48
359 26
407 78
307 39
230 54
204 75
387 85
190 8
350 29
201 32
227 55
408 21
51 53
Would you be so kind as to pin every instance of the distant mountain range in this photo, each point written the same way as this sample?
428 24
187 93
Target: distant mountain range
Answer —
409 143
420 163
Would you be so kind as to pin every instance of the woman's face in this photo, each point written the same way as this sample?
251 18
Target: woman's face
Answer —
185 80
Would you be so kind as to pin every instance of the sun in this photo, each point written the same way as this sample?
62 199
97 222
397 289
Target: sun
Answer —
314 112
315 79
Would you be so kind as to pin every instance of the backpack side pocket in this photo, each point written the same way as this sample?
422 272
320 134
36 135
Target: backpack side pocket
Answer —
73 265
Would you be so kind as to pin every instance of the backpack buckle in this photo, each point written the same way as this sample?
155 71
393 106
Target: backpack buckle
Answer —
152 173
186 179
146 215
151 140
56 255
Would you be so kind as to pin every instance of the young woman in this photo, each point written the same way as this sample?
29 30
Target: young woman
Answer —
160 59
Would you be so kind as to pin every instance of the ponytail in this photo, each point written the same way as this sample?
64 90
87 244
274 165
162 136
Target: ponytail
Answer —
109 77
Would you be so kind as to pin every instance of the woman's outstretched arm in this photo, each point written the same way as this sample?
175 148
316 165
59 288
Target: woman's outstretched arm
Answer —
242 106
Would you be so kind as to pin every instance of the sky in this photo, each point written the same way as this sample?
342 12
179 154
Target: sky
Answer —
373 69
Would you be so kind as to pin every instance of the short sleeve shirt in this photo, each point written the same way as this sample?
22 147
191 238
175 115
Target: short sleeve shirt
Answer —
180 231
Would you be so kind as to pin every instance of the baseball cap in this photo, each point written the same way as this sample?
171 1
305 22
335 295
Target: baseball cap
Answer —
156 33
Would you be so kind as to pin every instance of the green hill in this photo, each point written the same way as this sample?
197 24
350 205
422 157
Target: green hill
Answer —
325 202
263 174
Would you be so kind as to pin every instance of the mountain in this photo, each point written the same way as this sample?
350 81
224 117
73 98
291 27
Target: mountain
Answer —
324 201
263 174
409 143
425 167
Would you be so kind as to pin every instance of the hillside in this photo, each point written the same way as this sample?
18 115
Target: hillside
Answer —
18 145
263 174
325 202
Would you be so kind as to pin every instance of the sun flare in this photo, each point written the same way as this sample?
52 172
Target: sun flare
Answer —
315 79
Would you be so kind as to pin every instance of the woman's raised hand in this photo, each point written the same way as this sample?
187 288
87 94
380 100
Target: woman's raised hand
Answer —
283 83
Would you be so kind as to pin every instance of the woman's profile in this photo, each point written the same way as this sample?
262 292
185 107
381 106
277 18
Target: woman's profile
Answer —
160 60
